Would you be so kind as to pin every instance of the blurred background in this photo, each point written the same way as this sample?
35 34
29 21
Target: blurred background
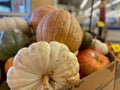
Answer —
87 12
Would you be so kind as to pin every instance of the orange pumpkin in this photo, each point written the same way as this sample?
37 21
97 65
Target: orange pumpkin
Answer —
8 64
38 14
91 61
60 26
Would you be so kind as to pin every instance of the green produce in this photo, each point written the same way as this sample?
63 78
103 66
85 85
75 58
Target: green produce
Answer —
86 40
10 42
4 86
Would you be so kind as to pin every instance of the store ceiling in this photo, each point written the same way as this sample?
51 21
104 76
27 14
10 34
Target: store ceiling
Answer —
111 5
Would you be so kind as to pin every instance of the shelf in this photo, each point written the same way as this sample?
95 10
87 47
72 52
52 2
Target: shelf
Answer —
13 14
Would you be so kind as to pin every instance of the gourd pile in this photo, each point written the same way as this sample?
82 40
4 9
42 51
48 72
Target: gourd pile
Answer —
59 56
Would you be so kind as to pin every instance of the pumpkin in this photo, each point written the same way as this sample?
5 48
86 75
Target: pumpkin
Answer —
8 64
91 61
39 13
100 46
10 42
87 40
43 66
10 23
62 27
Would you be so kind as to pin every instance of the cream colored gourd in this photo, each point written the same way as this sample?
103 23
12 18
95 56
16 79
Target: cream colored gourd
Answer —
43 66
10 23
100 46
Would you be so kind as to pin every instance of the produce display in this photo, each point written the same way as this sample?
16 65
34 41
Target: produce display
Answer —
56 57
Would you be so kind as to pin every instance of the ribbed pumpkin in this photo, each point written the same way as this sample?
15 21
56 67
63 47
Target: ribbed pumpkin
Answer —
10 42
38 14
10 23
60 26
43 66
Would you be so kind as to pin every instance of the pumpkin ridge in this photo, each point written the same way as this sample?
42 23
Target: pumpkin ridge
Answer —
69 32
41 31
2 24
55 24
40 59
29 70
68 29
14 39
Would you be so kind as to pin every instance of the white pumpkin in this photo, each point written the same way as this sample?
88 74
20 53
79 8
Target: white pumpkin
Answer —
43 66
100 46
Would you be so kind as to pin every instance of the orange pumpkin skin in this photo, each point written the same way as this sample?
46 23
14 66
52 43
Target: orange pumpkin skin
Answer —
8 64
39 13
60 26
91 61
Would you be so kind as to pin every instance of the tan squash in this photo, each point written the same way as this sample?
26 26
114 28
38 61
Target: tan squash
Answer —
39 13
11 23
60 26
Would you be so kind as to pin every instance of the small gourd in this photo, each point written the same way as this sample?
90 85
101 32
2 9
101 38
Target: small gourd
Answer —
100 46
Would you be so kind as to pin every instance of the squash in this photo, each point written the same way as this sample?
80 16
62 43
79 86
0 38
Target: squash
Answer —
62 27
43 66
91 61
100 46
10 23
39 13
87 40
8 64
10 42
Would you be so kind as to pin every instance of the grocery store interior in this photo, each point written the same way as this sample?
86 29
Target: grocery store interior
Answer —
82 9
101 18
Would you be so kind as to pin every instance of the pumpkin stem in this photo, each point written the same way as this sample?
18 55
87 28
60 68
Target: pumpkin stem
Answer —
45 82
